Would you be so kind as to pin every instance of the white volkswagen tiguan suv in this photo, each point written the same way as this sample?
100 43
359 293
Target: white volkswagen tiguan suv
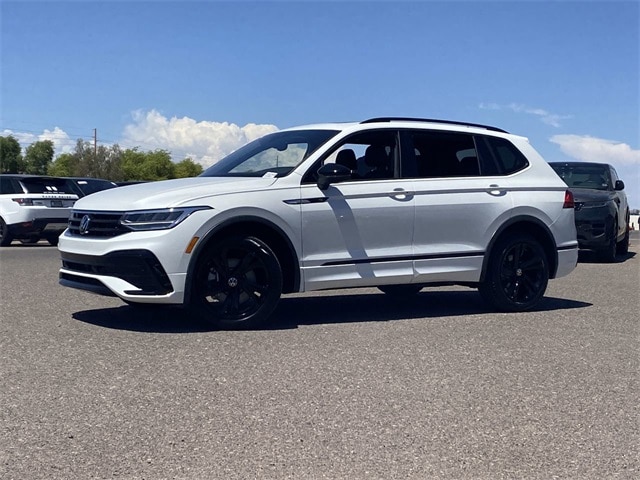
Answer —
395 203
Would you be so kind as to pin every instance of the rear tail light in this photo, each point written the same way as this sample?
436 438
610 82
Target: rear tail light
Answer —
25 202
568 200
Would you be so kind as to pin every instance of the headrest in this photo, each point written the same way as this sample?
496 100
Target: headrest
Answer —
375 156
347 158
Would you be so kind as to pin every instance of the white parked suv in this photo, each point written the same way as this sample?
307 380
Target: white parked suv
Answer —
33 206
395 203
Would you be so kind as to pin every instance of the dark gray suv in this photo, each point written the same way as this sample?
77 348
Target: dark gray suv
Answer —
602 211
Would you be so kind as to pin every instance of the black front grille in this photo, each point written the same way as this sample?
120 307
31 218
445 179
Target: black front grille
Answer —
96 224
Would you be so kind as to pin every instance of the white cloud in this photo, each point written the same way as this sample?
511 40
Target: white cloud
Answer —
205 142
61 141
592 149
545 116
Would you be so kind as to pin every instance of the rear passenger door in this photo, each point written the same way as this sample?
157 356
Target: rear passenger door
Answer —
460 200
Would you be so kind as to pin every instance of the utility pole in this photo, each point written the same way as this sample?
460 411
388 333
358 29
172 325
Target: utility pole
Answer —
95 142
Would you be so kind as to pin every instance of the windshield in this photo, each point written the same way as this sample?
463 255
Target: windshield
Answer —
584 176
274 155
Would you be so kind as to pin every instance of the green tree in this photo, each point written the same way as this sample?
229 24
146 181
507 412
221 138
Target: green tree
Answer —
131 164
187 168
158 166
65 165
85 159
107 163
10 155
38 157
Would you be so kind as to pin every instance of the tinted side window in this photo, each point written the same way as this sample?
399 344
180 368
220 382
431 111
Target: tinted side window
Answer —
444 154
370 155
508 158
6 186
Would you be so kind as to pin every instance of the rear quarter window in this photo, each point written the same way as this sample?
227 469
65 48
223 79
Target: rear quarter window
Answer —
6 186
501 155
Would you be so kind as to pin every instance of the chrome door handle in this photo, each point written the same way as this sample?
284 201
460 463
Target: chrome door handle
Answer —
401 194
496 190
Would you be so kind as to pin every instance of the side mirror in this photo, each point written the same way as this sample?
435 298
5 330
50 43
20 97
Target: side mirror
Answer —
619 185
332 173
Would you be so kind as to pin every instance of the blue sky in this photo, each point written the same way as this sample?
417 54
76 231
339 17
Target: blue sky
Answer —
200 78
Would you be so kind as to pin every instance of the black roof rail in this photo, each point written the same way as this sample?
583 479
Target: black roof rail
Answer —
432 120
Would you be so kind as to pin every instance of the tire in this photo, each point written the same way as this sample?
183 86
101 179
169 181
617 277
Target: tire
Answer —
237 284
52 239
517 274
30 240
608 254
622 247
400 290
5 237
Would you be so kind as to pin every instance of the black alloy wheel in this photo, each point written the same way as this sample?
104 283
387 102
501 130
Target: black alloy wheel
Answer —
608 253
5 237
517 274
622 247
237 283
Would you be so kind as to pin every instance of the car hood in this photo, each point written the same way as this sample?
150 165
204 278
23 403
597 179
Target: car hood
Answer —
590 195
169 193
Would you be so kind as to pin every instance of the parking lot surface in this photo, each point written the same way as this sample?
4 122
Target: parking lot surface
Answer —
344 384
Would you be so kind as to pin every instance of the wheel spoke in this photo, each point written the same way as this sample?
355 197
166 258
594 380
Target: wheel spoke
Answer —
532 263
231 304
515 290
531 286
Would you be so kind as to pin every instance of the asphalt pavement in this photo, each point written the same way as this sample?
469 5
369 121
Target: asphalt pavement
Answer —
343 385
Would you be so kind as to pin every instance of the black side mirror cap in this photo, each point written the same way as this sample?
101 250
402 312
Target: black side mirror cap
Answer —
332 173
619 185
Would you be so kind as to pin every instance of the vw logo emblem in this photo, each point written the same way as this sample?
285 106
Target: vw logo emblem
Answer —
84 225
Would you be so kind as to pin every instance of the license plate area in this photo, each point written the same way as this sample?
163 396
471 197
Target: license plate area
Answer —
56 203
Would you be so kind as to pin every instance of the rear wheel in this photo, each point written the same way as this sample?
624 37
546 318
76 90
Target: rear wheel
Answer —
517 274
237 283
5 237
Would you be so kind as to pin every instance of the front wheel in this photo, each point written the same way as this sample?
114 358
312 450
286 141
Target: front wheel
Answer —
622 247
517 274
237 283
608 253
53 239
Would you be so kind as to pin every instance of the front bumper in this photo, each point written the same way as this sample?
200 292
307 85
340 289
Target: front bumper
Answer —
138 268
594 227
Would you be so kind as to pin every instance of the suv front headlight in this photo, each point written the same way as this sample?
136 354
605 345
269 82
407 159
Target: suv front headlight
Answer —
160 219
